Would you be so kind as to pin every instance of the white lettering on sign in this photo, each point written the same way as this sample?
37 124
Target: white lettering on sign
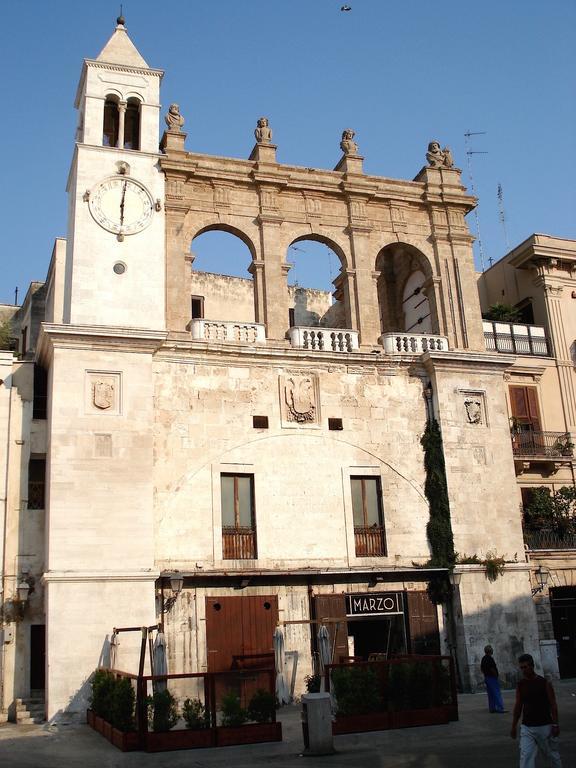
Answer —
384 603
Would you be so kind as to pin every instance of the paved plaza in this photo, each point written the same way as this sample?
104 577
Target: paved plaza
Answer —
478 740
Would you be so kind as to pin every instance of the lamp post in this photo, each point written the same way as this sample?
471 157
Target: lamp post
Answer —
454 577
542 576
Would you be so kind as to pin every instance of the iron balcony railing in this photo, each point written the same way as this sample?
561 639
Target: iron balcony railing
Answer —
549 540
36 491
370 541
552 445
238 543
515 339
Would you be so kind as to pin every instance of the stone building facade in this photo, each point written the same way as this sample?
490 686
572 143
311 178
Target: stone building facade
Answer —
259 440
538 279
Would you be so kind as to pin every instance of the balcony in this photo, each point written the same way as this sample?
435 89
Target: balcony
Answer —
515 339
324 339
412 343
227 331
546 445
370 541
546 539
238 543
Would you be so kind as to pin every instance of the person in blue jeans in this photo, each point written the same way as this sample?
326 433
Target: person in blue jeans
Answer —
490 672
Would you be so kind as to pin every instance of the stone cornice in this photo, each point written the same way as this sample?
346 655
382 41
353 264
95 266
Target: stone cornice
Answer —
67 576
467 360
130 69
53 336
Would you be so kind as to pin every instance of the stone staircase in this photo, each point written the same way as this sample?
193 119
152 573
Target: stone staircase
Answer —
30 710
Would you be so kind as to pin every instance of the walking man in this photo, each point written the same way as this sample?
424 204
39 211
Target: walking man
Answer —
536 702
490 672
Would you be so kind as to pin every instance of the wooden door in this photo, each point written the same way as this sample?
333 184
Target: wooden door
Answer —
333 607
423 624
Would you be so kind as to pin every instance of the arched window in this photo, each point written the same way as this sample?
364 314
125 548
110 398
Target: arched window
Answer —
132 125
111 122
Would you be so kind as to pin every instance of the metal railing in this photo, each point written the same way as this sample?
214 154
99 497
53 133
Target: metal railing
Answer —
527 442
515 339
370 541
549 540
238 543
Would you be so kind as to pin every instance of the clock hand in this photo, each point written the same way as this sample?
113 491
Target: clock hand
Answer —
122 204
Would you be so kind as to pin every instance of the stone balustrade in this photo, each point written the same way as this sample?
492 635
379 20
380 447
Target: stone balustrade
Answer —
228 331
412 343
324 339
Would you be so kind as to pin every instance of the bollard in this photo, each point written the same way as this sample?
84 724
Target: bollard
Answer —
317 724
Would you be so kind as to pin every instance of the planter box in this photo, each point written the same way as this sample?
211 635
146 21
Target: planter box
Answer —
416 717
372 721
126 741
382 721
253 733
181 739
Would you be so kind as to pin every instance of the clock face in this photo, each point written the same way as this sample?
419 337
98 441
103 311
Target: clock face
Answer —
121 205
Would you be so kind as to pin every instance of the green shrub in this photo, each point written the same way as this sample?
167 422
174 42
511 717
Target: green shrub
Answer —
162 711
233 714
411 686
399 686
312 683
262 706
122 705
103 683
357 690
195 714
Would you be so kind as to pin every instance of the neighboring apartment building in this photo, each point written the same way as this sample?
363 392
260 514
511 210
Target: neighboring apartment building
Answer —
538 278
261 442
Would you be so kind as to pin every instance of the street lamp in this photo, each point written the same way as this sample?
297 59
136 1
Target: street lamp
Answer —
455 578
176 583
542 576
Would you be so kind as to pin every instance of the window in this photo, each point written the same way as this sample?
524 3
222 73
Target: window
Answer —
291 317
36 482
260 422
132 125
368 519
111 123
40 392
197 307
335 424
238 523
24 341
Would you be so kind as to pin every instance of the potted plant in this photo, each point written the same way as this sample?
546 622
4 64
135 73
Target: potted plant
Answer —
235 728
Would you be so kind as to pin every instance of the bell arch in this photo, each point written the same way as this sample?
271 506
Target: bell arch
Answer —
404 277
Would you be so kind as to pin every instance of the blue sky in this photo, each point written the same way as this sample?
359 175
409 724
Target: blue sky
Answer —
399 74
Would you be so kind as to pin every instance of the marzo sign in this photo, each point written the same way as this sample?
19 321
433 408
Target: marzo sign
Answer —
374 604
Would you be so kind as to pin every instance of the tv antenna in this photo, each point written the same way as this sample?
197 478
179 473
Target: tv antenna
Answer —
469 153
502 216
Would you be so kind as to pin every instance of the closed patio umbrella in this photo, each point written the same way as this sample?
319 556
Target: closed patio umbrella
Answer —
324 650
160 661
113 650
282 692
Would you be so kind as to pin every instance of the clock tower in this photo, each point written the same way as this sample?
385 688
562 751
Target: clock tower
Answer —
115 244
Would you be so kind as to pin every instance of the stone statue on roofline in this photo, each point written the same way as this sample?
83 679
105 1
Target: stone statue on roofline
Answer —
437 157
263 132
348 145
173 118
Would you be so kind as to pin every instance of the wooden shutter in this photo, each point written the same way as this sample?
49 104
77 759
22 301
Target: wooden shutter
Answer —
524 404
423 624
333 607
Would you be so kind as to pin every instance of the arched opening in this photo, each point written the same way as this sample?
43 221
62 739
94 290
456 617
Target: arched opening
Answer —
132 124
222 287
315 284
111 123
402 298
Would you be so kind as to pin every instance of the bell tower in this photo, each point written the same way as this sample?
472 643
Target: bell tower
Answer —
115 243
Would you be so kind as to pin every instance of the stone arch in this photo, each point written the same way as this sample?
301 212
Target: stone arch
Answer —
405 274
219 292
310 307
